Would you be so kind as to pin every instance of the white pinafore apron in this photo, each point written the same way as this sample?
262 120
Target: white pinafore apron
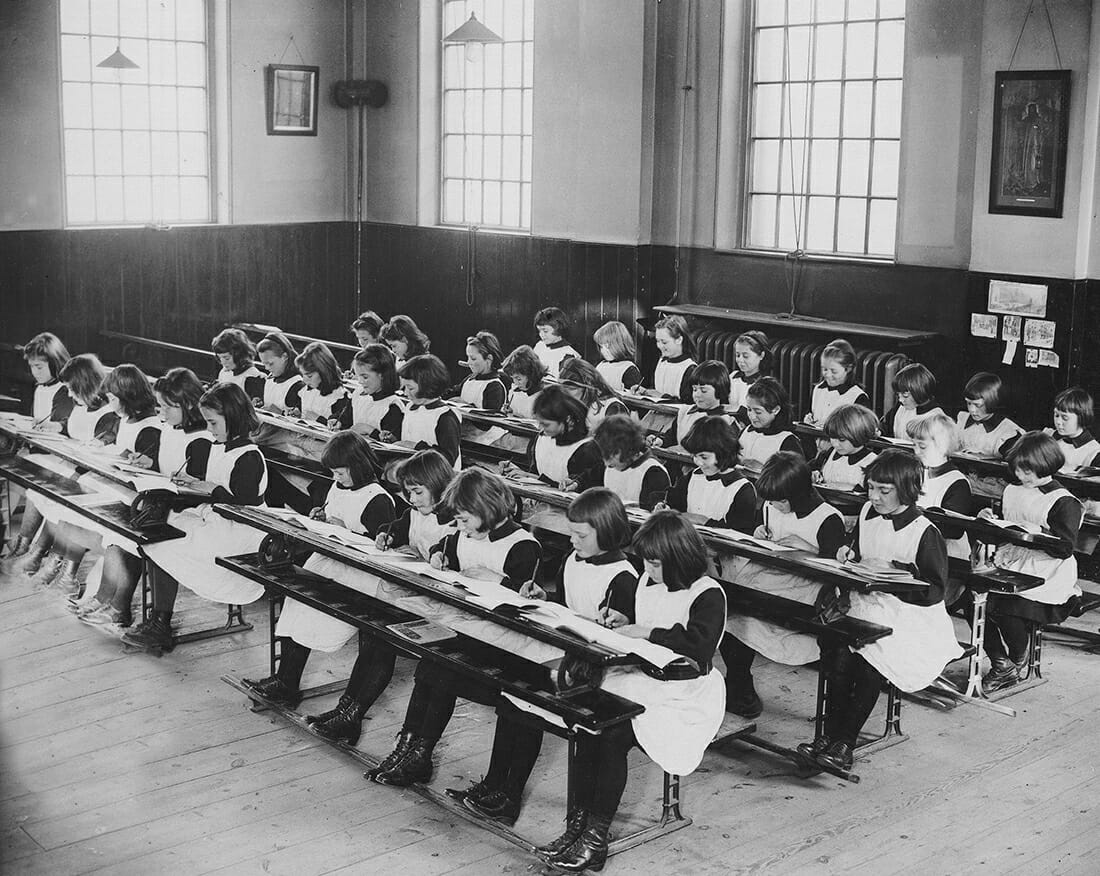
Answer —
1031 505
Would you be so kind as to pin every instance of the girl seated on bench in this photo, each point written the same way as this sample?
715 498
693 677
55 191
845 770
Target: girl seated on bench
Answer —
630 470
769 411
715 492
838 384
236 358
849 429
983 427
484 388
429 422
283 385
752 356
672 376
710 392
616 364
375 410
527 373
915 386
585 383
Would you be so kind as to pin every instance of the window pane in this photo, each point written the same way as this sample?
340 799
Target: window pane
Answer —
510 206
162 20
108 152
491 193
452 156
769 12
854 156
78 153
512 158
798 54
762 221
135 106
138 199
135 153
859 54
799 11
80 199
858 9
525 205
493 66
192 154
492 167
104 19
133 18
857 109
513 65
827 110
473 119
165 153
162 62
792 173
473 202
850 225
884 175
108 199
452 200
788 222
162 103
796 116
472 166
76 98
106 105
453 103
492 115
891 8
527 158
882 230
74 16
830 10
769 55
190 21
765 166
888 109
769 104
192 109
819 224
75 59
891 48
166 198
513 111
823 166
191 64
830 51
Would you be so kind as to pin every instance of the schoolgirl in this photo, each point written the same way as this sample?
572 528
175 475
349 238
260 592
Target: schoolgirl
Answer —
1036 502
490 541
552 347
672 376
1073 418
375 410
849 429
563 454
584 382
367 328
131 397
323 396
359 503
484 388
616 365
185 445
752 354
710 392
838 383
428 421
236 355
527 374
283 384
678 606
915 387
983 426
45 356
714 491
236 474
595 575
796 516
890 531
769 431
630 471
404 338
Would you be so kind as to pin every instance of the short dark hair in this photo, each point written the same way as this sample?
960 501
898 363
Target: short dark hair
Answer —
988 387
404 328
554 403
620 435
785 475
524 362
379 359
841 351
428 373
617 338
677 327
487 345
713 435
84 375
758 342
130 386
483 494
367 321
350 450
584 376
182 388
279 344
1036 452
916 380
317 358
716 374
555 318
900 468
853 423
668 537
426 468
47 346
1076 400
233 403
771 394
604 511
236 343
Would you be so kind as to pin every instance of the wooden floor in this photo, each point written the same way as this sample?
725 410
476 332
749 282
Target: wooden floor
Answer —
123 763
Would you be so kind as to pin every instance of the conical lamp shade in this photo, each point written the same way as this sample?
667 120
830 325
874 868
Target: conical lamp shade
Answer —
117 61
472 31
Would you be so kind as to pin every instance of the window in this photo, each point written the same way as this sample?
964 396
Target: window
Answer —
136 141
487 93
825 126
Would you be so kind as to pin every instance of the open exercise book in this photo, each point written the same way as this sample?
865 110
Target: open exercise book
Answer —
871 572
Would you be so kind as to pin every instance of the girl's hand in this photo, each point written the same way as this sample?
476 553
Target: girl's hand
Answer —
845 554
49 426
141 460
568 486
652 440
257 403
762 532
438 560
335 521
531 590
333 423
388 437
809 419
612 619
635 631
662 506
317 514
292 412
986 514
818 477
184 478
383 541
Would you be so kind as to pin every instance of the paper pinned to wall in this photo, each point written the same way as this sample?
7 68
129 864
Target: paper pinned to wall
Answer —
983 325
1029 299
1011 328
1049 359
1039 333
1031 358
1010 353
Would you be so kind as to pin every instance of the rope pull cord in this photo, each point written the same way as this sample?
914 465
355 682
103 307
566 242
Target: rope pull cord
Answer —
1050 29
792 260
297 51
471 265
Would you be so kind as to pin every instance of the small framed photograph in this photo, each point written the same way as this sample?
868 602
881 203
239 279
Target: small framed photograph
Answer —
1027 173
292 100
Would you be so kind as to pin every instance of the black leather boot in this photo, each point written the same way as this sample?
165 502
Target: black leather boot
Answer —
331 713
810 750
276 690
154 636
414 767
404 739
589 851
575 823
344 726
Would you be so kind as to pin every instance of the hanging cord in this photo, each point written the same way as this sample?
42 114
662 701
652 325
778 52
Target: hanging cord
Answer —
686 89
471 265
792 261
359 213
298 51
1050 27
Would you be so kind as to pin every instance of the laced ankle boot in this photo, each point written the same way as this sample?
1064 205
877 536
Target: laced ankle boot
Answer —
32 559
414 767
49 569
67 581
346 724
575 823
404 740
16 550
589 851
154 636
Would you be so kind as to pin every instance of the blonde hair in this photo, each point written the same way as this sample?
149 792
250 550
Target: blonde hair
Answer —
936 427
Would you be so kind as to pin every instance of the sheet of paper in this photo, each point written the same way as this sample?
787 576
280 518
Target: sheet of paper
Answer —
487 436
151 482
1010 352
983 325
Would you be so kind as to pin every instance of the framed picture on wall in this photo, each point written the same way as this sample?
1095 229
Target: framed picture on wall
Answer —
1030 123
291 92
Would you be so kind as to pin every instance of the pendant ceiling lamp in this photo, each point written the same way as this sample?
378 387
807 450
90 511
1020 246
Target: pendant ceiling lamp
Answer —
472 31
116 60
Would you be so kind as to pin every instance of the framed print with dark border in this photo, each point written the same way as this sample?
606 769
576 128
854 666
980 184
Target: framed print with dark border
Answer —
292 99
1027 172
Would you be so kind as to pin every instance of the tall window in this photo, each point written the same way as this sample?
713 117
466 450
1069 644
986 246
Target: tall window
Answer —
487 93
136 141
825 125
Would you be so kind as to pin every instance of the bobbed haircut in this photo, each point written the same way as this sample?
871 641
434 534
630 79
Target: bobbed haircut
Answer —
426 468
900 468
841 352
555 318
620 435
130 385
1076 400
604 511
350 450
714 435
936 427
379 359
785 475
236 343
716 374
986 387
278 344
677 327
317 358
1037 453
771 394
758 342
668 537
617 338
403 328
483 494
524 362
853 423
916 380
583 376
48 347
233 403
488 346
182 388
367 321
84 375
428 373
554 403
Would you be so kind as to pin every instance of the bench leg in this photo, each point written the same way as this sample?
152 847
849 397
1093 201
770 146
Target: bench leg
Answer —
234 623
670 803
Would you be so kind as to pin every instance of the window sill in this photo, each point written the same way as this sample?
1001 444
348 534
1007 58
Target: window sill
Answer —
827 258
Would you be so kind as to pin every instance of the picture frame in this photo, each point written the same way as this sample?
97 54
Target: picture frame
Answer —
1027 174
291 96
